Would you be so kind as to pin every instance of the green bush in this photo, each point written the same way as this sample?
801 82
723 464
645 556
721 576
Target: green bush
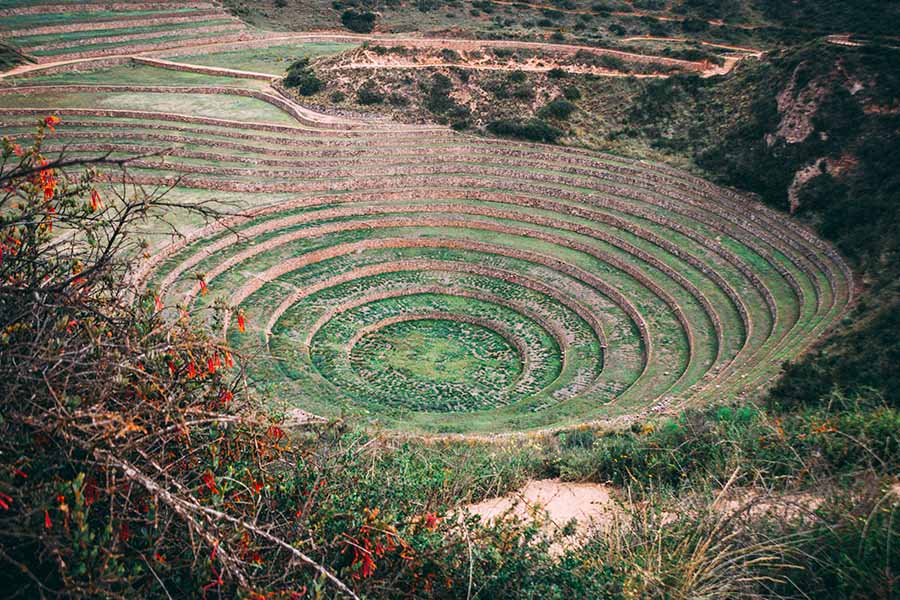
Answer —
558 108
572 93
368 94
397 99
533 130
303 78
358 21
557 73
517 76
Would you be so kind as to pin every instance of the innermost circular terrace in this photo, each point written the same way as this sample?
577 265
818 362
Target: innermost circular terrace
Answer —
456 363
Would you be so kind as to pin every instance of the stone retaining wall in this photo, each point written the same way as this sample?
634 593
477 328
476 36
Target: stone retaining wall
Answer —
203 70
77 43
117 23
45 9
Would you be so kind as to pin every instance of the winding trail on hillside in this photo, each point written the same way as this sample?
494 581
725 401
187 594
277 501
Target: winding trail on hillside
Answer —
386 40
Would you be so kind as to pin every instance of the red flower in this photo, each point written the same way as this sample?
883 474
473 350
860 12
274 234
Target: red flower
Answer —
96 203
5 501
124 533
211 365
47 181
90 491
20 473
431 521
225 397
202 281
47 523
51 122
228 362
276 433
241 322
172 368
17 150
192 370
210 482
157 304
363 561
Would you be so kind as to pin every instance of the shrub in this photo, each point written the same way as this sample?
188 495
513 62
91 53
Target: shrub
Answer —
450 55
358 21
572 93
338 96
438 100
523 92
533 130
558 108
301 76
397 99
369 94
517 76
557 73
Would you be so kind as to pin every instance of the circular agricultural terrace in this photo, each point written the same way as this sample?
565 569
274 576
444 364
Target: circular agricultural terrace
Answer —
440 282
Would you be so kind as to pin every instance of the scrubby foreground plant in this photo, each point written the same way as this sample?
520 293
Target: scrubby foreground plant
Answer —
124 468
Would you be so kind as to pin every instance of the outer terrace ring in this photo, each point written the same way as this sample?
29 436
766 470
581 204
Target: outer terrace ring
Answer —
743 288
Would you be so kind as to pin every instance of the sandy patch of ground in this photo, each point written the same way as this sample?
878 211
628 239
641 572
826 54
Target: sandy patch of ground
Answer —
555 503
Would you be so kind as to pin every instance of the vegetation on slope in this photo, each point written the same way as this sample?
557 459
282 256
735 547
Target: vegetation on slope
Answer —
763 23
813 131
9 58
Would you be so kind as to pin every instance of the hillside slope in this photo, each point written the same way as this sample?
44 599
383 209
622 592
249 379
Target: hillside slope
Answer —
814 132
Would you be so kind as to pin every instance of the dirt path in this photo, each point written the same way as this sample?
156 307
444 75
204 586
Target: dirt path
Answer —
742 49
555 503
478 67
331 36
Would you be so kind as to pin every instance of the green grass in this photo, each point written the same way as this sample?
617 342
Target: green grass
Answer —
379 378
88 47
23 21
137 74
35 40
237 108
273 60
